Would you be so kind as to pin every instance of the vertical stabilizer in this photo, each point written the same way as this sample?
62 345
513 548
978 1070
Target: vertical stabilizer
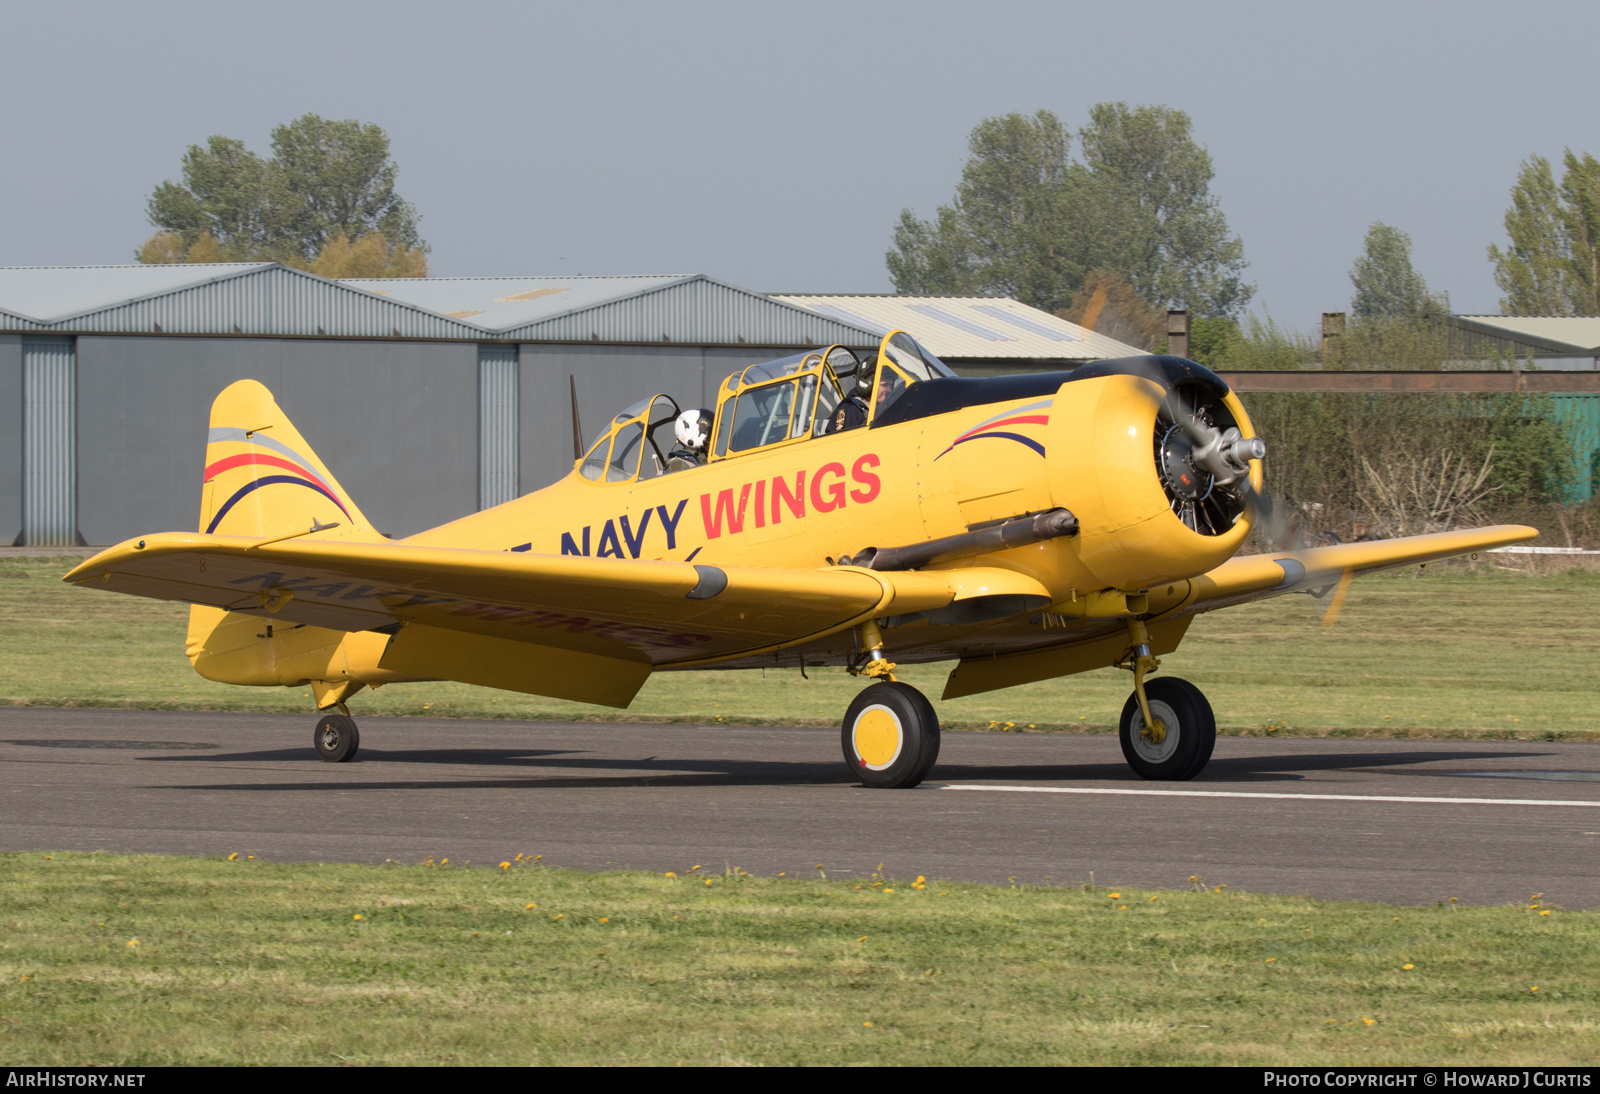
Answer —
263 479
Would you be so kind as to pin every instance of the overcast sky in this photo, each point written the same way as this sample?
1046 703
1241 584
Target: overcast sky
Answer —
773 145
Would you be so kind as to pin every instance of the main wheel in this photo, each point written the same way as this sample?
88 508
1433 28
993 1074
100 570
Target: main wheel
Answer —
336 739
1182 748
890 736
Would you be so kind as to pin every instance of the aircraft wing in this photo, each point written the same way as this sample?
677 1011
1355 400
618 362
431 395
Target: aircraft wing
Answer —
630 612
1256 577
1237 581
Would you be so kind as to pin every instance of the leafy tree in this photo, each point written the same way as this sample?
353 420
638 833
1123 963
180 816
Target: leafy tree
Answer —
1030 222
369 256
343 180
1387 285
228 192
1535 270
1552 266
1580 194
163 247
1178 247
1003 233
327 181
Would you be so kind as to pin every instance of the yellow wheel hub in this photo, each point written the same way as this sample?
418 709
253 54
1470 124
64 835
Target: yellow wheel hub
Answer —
1156 733
877 737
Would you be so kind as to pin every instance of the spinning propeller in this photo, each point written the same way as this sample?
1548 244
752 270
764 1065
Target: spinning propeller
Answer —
1204 464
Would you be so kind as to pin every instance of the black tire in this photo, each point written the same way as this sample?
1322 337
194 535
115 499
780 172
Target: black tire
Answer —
890 736
1190 737
335 739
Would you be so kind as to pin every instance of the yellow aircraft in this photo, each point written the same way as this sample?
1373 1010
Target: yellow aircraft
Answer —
844 511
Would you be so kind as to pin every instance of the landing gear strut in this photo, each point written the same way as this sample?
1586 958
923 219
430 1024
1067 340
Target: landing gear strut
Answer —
335 739
890 733
1167 729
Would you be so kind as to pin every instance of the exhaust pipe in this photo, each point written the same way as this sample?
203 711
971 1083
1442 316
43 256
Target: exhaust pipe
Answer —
1017 532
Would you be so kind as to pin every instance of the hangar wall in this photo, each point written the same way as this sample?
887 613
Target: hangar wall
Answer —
395 421
10 437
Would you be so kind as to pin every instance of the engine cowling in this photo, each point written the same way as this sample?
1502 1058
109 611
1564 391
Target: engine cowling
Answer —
1151 505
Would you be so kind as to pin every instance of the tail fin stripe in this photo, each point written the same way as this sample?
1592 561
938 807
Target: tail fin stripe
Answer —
268 481
254 437
248 458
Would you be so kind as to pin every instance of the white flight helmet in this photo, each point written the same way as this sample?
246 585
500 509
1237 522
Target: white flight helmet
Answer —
693 429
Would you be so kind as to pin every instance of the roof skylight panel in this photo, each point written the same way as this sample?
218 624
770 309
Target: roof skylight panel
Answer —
959 323
1025 323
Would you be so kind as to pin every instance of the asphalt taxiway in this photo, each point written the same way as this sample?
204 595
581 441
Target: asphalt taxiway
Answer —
1409 822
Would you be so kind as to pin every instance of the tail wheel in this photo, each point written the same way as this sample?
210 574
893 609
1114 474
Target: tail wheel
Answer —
1181 746
336 739
890 736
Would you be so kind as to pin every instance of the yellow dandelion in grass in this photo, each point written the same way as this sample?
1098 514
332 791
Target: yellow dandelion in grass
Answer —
561 915
1122 907
1534 988
131 942
1153 900
249 856
233 857
444 862
1408 968
529 907
671 874
888 890
505 866
706 880
782 874
1370 1021
604 919
1114 896
1270 960
694 867
358 915
863 938
867 1024
1545 912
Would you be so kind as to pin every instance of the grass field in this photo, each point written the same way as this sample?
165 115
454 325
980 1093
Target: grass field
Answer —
145 961
1449 652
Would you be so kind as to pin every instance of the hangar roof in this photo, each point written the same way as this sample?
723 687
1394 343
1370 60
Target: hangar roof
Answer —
262 298
1575 332
266 298
971 326
653 308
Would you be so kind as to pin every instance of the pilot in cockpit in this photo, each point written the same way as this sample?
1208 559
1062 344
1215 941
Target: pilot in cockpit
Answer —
854 407
692 431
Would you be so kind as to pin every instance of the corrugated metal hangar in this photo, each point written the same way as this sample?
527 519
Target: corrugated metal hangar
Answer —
429 398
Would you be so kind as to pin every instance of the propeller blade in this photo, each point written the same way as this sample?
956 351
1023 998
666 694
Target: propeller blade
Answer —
1331 616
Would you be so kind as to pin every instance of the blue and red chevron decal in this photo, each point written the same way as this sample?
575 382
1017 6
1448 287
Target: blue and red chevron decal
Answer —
995 427
287 459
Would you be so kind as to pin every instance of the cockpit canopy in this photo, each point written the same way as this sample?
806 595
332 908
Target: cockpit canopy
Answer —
775 402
